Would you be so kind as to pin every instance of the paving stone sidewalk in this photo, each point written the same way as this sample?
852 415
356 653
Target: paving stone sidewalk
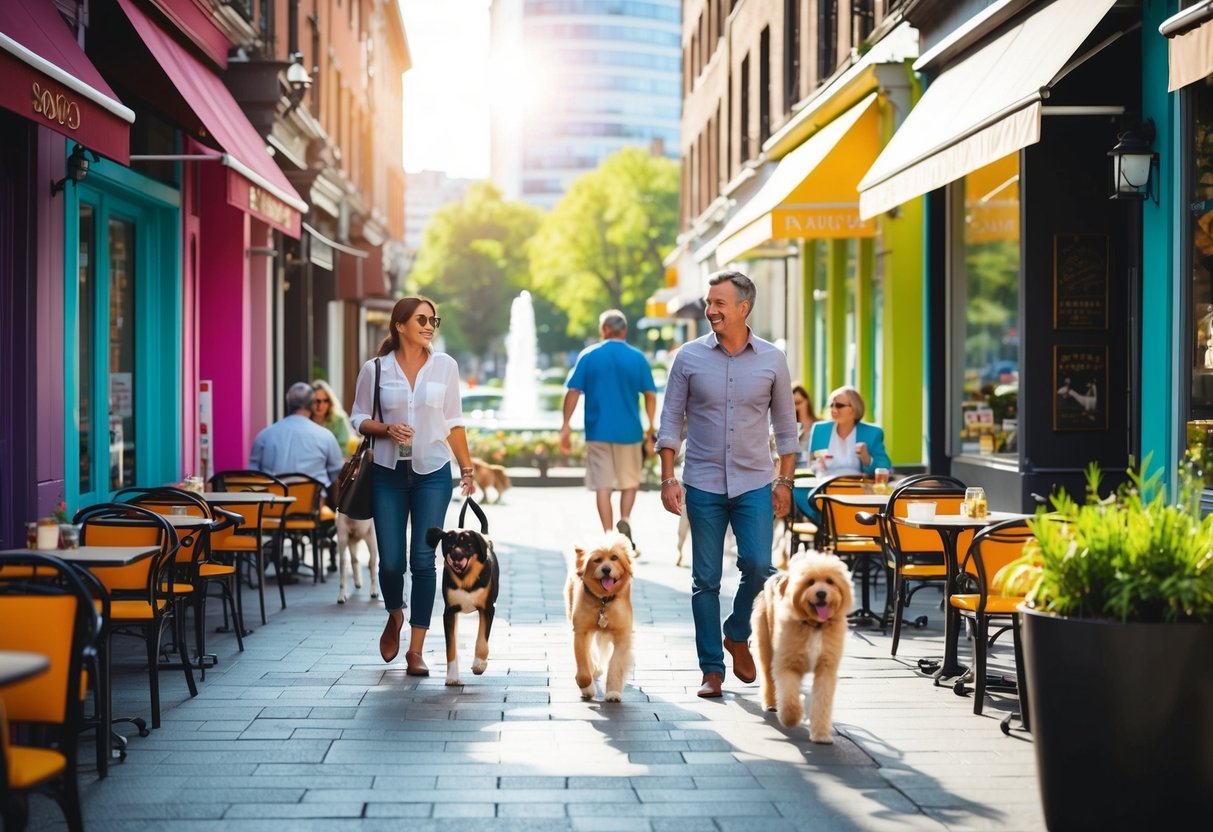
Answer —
308 726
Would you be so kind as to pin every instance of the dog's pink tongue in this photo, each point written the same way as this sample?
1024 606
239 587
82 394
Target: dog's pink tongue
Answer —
608 584
823 612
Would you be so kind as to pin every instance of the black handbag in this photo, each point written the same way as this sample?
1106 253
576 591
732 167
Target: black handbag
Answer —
353 487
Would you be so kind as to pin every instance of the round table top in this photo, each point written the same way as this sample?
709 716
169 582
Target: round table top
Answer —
18 665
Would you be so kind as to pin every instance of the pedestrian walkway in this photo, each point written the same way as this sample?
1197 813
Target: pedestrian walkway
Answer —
308 726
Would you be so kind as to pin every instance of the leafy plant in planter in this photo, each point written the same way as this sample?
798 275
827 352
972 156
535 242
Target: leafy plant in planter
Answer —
1118 653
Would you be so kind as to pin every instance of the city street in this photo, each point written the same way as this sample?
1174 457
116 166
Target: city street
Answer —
308 726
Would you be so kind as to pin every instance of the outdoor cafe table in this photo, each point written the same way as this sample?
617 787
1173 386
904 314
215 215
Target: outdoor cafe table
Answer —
18 665
245 498
950 527
85 557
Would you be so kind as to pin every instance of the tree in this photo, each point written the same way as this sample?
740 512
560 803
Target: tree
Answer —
602 246
473 261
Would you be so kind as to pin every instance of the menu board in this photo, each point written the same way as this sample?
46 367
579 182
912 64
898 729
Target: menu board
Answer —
1080 281
1080 382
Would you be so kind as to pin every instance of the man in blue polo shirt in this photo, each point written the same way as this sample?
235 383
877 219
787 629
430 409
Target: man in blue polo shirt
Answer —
612 375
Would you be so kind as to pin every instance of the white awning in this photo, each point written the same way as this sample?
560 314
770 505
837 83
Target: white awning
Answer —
981 108
1190 50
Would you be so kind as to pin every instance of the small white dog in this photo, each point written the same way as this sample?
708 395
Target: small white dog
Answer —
684 531
349 532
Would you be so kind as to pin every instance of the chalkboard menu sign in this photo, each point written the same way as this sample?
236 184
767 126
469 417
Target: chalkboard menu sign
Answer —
1080 379
1080 281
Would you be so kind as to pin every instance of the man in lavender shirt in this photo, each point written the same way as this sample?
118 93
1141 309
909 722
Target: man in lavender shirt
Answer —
730 387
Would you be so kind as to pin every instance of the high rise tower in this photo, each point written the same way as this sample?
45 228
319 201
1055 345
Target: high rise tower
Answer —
575 80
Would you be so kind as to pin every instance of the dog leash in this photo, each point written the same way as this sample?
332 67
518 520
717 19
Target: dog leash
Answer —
477 510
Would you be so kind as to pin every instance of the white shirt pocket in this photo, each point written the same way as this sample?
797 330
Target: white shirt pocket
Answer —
435 394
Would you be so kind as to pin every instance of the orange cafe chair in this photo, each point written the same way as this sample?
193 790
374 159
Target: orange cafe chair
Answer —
916 556
51 613
992 549
142 595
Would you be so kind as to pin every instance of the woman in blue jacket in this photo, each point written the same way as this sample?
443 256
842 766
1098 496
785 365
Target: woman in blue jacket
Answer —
844 445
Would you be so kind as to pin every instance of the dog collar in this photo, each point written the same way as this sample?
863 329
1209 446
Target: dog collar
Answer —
605 599
808 623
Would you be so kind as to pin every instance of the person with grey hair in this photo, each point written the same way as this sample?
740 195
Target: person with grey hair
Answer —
731 387
613 375
295 444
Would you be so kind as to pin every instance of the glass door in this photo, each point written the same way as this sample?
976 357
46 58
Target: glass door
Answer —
123 320
103 352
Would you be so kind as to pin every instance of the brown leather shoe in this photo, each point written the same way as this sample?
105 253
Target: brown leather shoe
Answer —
389 642
743 662
710 689
416 665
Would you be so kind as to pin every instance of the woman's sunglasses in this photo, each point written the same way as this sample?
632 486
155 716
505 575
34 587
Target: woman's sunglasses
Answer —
433 320
321 401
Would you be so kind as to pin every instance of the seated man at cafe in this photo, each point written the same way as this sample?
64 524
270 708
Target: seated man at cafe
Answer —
295 444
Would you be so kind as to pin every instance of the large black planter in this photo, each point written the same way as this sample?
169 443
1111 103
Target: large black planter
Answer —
1122 721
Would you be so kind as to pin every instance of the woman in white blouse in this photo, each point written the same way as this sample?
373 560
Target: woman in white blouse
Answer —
418 429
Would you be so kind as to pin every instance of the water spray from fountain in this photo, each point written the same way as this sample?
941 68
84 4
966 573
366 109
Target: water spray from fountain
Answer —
520 399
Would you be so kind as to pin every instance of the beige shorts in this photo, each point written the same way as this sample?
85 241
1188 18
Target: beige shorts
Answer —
612 466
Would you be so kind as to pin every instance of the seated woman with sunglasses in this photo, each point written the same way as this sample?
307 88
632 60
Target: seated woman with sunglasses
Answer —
844 445
328 413
417 430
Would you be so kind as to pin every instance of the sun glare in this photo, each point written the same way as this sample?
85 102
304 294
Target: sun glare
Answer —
519 81
446 98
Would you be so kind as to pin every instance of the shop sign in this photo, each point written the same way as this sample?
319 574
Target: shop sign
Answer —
56 107
256 200
1080 281
822 223
1080 379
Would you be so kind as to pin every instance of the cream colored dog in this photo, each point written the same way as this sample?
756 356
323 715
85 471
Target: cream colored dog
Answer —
800 626
598 599
349 532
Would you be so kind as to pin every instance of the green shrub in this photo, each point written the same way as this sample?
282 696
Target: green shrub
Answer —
1131 556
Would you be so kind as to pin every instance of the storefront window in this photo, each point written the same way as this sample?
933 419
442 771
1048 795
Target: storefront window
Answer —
1200 425
988 311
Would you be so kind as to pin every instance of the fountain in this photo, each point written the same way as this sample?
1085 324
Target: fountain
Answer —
520 399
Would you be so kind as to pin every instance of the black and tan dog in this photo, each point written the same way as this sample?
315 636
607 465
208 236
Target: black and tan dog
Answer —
470 580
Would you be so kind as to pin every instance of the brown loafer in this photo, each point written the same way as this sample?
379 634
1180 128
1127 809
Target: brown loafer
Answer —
389 642
415 664
743 662
710 689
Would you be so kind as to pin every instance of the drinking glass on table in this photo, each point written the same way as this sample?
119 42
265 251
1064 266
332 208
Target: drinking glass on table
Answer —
880 479
975 505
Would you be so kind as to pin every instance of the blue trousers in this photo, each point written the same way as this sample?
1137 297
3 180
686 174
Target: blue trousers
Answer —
753 521
405 501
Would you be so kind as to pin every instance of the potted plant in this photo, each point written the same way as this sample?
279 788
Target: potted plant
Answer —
1118 653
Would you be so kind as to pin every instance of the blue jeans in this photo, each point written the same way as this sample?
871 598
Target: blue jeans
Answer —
404 498
753 521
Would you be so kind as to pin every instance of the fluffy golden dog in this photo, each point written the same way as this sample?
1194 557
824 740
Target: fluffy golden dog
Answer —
487 475
598 599
800 625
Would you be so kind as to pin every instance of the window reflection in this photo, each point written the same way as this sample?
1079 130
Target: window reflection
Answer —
988 418
85 312
122 353
1200 425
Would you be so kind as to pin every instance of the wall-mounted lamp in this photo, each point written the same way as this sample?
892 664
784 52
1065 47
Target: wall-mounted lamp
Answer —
298 81
77 168
1133 160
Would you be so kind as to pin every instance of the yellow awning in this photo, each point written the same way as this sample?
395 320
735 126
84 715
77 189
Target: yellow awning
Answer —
812 192
982 108
1190 48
